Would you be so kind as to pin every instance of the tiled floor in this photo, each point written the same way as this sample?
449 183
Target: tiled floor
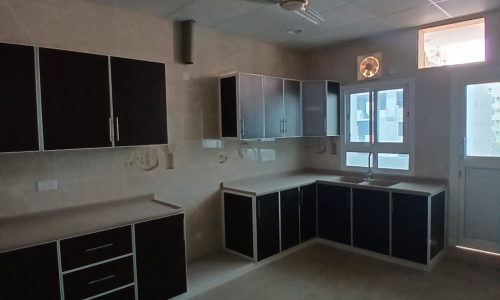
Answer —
322 272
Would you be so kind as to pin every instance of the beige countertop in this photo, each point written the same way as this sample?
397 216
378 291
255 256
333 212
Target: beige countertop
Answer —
276 182
42 227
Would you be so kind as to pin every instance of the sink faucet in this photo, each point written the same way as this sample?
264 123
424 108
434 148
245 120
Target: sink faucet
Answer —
369 175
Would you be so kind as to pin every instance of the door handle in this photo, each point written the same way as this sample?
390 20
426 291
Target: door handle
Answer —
286 125
242 127
111 137
101 279
99 247
301 197
281 126
117 130
258 209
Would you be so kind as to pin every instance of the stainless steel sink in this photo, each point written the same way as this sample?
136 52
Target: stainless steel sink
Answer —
375 182
348 179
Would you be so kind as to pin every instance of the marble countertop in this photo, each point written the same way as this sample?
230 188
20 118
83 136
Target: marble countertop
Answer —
276 182
37 228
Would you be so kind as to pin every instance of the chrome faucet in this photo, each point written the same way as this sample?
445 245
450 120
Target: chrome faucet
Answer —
369 175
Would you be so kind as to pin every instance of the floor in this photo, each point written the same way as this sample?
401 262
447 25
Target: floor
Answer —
322 272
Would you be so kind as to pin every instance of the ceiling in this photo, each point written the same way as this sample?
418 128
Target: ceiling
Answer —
345 19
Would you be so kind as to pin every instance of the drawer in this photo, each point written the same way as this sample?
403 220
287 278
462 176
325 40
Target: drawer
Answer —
95 280
123 294
91 248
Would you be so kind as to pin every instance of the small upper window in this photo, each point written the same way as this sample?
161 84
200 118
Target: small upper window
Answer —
452 44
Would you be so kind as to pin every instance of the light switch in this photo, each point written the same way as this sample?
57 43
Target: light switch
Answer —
47 185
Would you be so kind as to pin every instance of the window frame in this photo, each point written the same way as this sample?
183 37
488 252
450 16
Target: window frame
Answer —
406 147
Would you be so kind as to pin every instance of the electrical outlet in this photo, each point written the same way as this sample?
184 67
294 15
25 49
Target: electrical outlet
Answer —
47 185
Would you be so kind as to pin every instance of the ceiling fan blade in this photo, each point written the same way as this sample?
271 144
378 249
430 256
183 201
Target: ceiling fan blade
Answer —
311 15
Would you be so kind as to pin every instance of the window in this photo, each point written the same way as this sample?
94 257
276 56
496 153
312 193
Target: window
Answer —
452 44
377 119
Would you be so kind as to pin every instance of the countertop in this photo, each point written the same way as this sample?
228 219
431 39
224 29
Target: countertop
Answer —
36 228
266 184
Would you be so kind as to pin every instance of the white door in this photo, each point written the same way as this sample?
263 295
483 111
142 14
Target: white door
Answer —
479 165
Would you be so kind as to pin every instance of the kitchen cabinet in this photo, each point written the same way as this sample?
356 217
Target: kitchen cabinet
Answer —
320 108
238 224
18 112
282 107
334 213
370 224
268 226
290 218
242 106
30 273
139 102
409 227
438 211
75 100
308 206
161 258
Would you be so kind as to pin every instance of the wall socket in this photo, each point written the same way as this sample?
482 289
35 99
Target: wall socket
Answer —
46 185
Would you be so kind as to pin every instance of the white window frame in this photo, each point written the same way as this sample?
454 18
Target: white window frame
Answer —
407 147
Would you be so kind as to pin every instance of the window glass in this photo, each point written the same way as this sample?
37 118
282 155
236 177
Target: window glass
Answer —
394 161
357 159
390 112
359 117
483 119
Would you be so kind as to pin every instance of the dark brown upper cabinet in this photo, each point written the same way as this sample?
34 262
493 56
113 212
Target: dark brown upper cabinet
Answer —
139 102
18 112
320 108
75 100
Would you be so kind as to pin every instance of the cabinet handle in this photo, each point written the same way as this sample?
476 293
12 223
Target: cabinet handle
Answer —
101 279
282 126
117 130
286 125
301 197
111 138
258 209
324 125
242 127
99 247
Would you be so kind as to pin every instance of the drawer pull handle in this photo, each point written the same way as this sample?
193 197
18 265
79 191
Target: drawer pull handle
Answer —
101 279
98 248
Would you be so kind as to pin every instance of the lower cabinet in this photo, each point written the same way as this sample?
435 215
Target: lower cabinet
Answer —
290 218
334 213
30 273
161 258
268 226
308 205
370 223
100 265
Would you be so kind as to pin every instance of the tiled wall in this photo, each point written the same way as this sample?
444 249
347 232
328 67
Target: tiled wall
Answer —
87 176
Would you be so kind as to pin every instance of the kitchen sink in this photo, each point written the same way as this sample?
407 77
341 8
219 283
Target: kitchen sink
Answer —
348 179
376 182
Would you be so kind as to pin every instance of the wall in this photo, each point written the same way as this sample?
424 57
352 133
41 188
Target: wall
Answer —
87 176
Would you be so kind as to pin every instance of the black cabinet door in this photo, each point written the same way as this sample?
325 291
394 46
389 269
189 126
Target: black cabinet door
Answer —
75 99
18 116
251 100
292 107
268 234
30 273
139 102
238 230
290 218
314 108
160 258
371 220
334 213
409 227
228 107
308 212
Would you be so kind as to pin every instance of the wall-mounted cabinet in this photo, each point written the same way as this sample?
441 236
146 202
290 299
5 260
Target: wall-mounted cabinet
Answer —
282 107
320 108
18 111
82 101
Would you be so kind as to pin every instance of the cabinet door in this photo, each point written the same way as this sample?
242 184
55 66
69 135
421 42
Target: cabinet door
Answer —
292 107
333 109
139 102
268 234
273 99
228 107
307 212
437 223
238 226
334 213
251 100
313 108
290 218
30 273
409 227
371 220
18 116
75 99
160 258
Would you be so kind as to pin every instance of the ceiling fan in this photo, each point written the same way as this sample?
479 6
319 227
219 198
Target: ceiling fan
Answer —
300 7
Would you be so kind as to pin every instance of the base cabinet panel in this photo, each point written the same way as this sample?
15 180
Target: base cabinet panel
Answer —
334 213
238 224
290 218
268 230
409 227
308 204
30 273
161 258
438 211
371 220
